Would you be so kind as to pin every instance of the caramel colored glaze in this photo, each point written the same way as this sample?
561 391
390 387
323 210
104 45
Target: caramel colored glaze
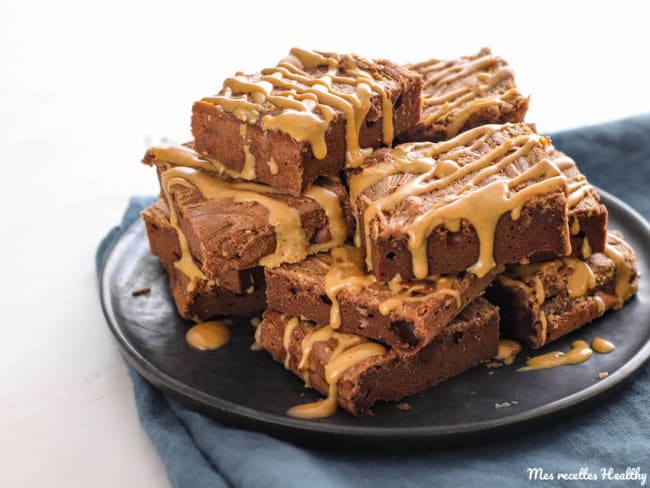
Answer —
286 339
543 333
600 303
291 244
207 336
586 248
581 279
325 407
481 201
346 273
257 345
508 351
302 104
579 353
273 167
448 95
329 201
348 352
626 283
185 264
248 171
602 346
404 293
187 157
577 183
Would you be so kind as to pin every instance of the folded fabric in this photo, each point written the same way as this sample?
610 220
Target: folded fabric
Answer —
200 452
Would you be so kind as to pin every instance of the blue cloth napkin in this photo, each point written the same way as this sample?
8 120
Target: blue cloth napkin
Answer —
200 452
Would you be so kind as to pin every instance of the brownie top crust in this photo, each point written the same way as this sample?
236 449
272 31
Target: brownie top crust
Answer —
581 195
306 91
476 177
332 288
573 277
227 217
454 90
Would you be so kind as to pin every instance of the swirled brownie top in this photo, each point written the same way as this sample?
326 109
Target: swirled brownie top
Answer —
466 92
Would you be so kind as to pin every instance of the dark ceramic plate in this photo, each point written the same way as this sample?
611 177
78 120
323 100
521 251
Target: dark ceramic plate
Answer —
248 389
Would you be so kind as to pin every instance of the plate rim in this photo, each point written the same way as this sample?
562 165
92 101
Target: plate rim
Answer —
250 416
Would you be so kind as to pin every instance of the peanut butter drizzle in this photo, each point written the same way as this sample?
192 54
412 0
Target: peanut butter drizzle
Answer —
291 244
508 351
346 273
626 283
343 274
480 206
579 353
188 157
329 201
586 248
543 333
257 345
602 346
577 183
349 351
248 171
286 339
207 336
441 103
404 293
600 303
308 102
273 167
581 279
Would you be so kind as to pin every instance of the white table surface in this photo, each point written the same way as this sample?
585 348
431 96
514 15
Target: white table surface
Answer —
86 87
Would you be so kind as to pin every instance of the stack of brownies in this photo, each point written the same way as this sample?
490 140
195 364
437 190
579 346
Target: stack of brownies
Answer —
365 208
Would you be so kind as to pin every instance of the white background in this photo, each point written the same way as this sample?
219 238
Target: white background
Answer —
85 87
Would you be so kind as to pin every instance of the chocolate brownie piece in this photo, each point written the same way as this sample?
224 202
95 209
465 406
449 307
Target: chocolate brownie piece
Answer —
207 300
332 289
460 94
542 302
163 242
587 216
471 338
238 293
305 117
489 196
232 224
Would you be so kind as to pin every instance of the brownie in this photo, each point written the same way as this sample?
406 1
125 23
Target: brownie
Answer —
468 340
163 242
207 300
460 94
233 224
201 299
489 196
587 216
275 127
404 315
542 302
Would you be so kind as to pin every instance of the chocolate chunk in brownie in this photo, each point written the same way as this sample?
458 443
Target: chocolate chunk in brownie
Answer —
489 196
471 338
305 117
542 302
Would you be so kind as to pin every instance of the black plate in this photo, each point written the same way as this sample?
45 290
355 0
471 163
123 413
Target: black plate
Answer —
248 389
